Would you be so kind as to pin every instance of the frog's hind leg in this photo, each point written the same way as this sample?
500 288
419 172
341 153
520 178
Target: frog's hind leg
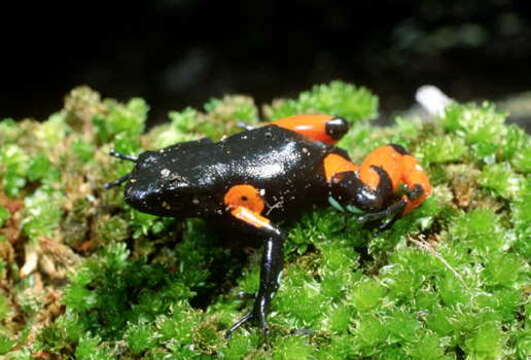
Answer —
324 128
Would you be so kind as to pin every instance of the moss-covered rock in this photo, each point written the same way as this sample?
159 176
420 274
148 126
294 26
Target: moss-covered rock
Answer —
85 276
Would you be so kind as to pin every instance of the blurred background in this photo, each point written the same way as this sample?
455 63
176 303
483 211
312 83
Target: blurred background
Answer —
178 53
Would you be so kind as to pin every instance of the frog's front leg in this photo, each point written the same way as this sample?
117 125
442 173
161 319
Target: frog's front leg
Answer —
245 204
270 268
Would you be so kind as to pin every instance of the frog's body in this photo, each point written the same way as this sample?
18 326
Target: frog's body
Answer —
192 178
270 172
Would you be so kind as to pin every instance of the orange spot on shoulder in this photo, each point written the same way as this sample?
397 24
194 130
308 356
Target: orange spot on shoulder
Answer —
246 196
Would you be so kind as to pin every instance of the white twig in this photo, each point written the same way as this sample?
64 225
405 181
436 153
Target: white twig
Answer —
424 245
31 259
432 99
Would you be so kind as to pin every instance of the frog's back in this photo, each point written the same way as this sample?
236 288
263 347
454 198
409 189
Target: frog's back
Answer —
284 165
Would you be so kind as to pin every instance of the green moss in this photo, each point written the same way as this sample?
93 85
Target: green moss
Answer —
292 348
83 150
14 163
486 342
521 218
9 130
516 148
43 212
53 131
113 229
448 280
224 114
339 318
367 295
127 119
20 355
439 320
183 121
371 333
503 270
140 338
90 348
443 149
336 98
500 179
239 346
4 215
522 158
478 231
481 126
523 343
41 168
181 128
6 344
428 348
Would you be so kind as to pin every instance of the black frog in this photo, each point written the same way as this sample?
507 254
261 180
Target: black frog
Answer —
264 174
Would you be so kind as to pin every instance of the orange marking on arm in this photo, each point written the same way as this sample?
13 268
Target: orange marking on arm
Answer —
246 196
311 126
250 217
334 163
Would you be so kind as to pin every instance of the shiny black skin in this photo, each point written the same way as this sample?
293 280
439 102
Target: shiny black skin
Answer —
348 188
190 179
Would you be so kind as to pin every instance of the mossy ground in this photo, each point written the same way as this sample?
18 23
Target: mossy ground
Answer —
84 276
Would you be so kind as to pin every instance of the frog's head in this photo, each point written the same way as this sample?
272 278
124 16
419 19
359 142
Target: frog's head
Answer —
154 186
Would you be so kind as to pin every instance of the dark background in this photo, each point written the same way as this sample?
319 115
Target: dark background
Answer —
177 53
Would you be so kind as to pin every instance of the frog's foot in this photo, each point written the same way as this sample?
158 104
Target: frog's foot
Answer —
238 324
